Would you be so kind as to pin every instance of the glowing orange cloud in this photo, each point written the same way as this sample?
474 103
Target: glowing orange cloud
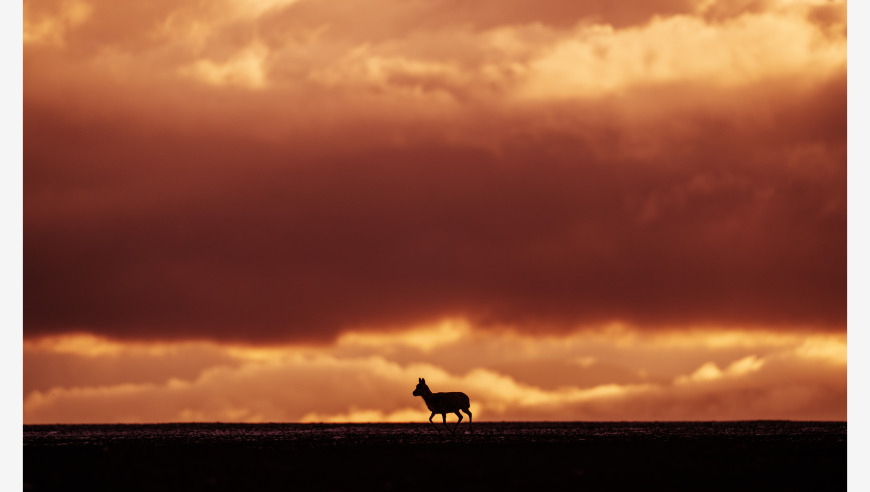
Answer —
784 377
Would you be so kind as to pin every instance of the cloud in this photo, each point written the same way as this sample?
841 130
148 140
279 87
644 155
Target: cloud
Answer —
81 360
244 68
287 173
709 371
50 28
207 236
599 59
774 377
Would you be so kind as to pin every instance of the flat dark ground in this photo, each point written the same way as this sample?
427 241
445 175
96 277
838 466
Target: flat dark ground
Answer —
497 456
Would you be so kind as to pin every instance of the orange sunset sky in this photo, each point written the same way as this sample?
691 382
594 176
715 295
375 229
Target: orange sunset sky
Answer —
290 210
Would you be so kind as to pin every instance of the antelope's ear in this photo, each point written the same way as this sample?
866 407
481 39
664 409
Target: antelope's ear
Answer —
423 380
419 380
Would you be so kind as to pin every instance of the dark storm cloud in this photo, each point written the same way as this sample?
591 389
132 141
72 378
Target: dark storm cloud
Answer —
386 18
153 234
278 170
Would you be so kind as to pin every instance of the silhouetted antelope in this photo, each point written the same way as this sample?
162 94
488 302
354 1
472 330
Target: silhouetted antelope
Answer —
444 403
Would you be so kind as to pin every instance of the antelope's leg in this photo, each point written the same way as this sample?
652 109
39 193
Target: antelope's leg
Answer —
457 422
444 417
468 411
433 423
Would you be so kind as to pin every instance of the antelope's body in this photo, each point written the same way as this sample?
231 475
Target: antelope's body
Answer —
444 403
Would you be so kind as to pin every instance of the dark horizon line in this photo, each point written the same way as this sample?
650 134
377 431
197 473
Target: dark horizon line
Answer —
418 423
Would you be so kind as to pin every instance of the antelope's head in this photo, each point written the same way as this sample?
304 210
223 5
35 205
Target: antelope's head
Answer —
421 388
